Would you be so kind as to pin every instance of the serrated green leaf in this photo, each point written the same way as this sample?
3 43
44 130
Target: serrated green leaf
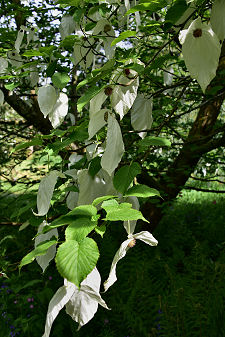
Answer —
176 11
83 211
71 189
89 94
51 68
79 229
97 201
95 166
154 141
31 53
142 191
123 36
75 260
60 80
121 212
153 6
100 230
124 176
41 249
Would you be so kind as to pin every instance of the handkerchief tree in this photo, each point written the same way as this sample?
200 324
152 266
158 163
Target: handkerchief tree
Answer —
129 96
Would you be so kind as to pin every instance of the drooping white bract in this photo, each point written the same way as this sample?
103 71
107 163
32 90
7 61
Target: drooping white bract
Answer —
217 18
81 304
92 188
67 26
19 38
47 98
97 101
131 224
125 93
144 236
104 29
1 97
141 114
114 146
59 111
201 50
97 121
3 65
44 260
34 76
45 191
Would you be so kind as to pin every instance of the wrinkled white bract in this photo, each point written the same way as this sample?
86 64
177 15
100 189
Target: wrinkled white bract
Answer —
143 236
59 111
44 260
81 304
141 114
1 97
15 59
97 121
114 146
201 53
97 101
217 18
47 98
45 192
104 28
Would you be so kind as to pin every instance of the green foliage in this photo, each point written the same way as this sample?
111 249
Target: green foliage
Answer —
125 175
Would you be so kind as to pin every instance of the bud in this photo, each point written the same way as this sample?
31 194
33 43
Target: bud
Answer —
107 28
132 243
108 91
197 32
127 71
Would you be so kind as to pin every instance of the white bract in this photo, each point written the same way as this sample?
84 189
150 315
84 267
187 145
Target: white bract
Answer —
15 59
19 38
45 192
1 97
92 188
217 18
201 50
129 243
114 146
141 114
59 111
97 121
81 304
44 260
47 98
3 65
105 30
67 26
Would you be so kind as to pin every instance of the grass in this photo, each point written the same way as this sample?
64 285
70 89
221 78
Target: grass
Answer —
174 289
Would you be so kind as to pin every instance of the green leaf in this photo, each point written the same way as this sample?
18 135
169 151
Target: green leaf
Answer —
71 189
89 94
97 201
95 166
11 86
142 191
123 36
60 80
154 141
75 260
124 177
41 249
121 212
153 6
83 211
79 229
35 141
51 68
176 11
31 53
100 230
